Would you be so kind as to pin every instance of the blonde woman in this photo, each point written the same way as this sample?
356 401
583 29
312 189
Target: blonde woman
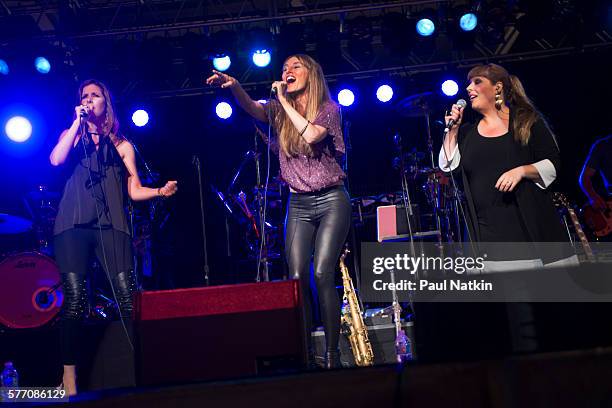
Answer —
309 143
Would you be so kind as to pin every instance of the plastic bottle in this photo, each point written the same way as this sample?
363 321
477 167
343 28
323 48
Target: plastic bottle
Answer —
10 378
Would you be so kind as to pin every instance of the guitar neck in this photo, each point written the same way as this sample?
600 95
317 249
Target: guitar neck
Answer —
578 228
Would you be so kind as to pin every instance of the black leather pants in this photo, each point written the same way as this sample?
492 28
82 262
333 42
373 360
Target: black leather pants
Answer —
74 249
318 222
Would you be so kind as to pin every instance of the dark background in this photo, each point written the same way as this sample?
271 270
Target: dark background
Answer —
571 89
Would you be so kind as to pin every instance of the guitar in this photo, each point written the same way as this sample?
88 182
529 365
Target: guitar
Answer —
561 200
598 221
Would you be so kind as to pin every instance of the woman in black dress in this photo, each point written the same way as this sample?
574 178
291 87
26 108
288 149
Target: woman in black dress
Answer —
507 160
91 217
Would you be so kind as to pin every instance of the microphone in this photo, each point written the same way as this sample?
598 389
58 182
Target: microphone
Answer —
289 81
84 113
461 103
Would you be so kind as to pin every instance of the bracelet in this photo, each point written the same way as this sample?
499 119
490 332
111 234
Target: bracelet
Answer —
159 193
305 127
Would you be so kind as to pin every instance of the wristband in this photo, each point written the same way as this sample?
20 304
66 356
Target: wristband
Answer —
305 127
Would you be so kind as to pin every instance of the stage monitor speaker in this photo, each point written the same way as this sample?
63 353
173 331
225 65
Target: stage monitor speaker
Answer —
219 332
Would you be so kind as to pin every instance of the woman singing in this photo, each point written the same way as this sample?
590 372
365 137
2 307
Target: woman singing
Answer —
309 145
91 217
507 159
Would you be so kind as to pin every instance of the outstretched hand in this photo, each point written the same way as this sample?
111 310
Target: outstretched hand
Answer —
169 189
219 79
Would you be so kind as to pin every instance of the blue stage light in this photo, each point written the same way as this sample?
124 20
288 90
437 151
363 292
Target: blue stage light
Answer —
42 65
262 58
468 21
4 68
425 27
222 62
223 110
384 93
18 129
346 97
140 117
450 87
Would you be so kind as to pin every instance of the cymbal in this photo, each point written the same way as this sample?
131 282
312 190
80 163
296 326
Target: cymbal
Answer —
417 105
11 224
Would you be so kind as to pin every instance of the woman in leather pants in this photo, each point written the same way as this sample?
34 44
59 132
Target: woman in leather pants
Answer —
310 147
91 219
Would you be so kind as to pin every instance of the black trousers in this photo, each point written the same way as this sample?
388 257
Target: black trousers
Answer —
74 249
318 222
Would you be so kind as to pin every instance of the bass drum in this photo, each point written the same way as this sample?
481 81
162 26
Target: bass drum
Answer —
30 292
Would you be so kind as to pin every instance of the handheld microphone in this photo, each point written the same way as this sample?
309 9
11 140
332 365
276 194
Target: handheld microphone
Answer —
84 113
289 81
462 104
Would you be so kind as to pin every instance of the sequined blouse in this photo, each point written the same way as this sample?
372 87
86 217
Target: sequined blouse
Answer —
323 168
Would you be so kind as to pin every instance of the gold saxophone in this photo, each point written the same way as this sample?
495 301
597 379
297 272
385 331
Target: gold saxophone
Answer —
352 321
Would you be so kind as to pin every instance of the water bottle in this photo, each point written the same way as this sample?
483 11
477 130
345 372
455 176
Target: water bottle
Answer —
403 347
10 378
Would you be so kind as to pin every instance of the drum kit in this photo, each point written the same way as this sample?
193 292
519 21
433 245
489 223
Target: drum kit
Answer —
426 190
30 293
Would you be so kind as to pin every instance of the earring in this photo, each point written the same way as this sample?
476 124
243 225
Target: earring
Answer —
498 101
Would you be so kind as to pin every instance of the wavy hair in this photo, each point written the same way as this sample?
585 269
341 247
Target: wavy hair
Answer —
110 126
317 93
525 113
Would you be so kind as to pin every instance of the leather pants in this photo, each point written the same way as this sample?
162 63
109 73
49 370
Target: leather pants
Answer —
318 223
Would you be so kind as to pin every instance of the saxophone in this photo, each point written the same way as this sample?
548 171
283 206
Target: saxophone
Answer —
352 320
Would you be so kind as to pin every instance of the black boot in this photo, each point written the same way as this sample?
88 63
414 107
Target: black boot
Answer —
332 360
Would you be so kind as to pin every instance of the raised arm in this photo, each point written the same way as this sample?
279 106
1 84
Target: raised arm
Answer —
310 132
67 140
136 190
449 157
253 108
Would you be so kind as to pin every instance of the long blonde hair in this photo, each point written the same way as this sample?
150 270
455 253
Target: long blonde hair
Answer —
317 94
525 113
111 123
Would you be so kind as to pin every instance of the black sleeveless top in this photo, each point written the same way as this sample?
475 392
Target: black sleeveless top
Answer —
95 193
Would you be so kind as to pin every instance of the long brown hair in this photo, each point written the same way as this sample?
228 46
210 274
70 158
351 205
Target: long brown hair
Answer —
110 126
524 112
317 93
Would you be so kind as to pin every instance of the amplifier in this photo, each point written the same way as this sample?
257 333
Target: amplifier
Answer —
219 332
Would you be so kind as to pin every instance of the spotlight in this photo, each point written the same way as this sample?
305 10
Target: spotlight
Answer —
4 68
223 110
262 58
222 62
468 21
384 93
18 129
346 97
42 65
425 27
450 87
140 117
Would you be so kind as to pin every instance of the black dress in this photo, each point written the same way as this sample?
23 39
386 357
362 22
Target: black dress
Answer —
526 215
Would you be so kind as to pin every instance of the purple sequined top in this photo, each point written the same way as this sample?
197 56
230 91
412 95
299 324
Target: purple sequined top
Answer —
322 169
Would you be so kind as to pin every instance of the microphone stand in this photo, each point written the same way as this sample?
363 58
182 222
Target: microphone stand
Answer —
352 232
196 162
147 261
262 227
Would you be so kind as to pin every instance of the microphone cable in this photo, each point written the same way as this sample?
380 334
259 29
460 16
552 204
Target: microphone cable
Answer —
106 269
